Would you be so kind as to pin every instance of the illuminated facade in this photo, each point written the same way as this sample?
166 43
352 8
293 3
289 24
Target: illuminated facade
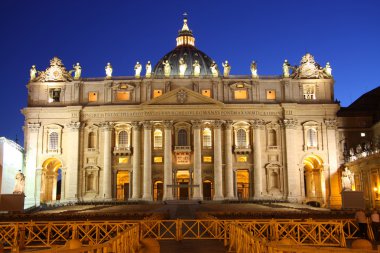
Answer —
182 130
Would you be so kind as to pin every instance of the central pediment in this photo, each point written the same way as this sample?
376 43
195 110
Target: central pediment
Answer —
183 96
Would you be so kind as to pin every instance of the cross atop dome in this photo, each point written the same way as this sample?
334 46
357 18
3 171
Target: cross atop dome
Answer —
185 35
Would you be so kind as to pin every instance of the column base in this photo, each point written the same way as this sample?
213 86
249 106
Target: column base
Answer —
197 198
147 198
231 198
134 199
218 198
294 199
164 198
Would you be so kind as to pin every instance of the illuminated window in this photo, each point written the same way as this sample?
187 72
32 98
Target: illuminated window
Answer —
53 141
272 139
207 159
157 141
207 143
240 94
92 96
182 137
157 93
362 134
206 93
91 140
240 85
122 95
241 138
311 136
123 139
242 159
123 160
309 92
54 95
157 159
271 94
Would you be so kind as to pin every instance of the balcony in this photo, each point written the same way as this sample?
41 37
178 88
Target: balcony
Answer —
246 149
122 150
182 149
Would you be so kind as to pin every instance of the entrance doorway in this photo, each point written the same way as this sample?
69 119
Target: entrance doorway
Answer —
207 190
183 181
122 192
242 181
158 190
313 178
51 179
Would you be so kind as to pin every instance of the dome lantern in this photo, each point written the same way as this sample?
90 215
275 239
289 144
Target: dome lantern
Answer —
185 35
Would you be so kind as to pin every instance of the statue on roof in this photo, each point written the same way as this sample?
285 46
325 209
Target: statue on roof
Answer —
197 68
167 68
33 72
285 69
56 72
310 69
328 69
254 69
214 69
108 70
138 69
227 69
182 67
20 183
77 71
148 70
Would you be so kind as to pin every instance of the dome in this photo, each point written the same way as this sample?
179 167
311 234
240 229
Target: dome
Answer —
186 55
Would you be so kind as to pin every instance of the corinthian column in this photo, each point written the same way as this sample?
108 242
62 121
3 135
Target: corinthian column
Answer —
31 190
71 186
136 194
197 193
229 169
168 170
147 189
218 177
293 173
106 128
257 125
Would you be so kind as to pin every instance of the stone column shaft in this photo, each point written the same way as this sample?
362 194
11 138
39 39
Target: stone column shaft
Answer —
218 177
197 193
136 160
168 170
107 173
72 163
147 189
258 168
229 170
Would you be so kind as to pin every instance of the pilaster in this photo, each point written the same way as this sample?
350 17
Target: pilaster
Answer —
136 160
197 193
257 125
168 170
218 176
71 186
229 170
106 128
147 188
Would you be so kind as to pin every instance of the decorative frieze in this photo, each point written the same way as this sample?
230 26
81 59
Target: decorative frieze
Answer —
136 125
106 126
147 125
289 123
196 124
34 127
228 124
74 126
257 123
168 124
218 123
330 123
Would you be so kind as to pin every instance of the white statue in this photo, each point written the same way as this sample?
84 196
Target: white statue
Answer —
167 68
78 71
182 67
148 70
214 69
328 69
227 69
20 183
138 69
33 73
285 68
347 180
109 70
254 69
197 68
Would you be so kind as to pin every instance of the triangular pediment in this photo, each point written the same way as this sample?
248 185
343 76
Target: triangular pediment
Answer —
183 96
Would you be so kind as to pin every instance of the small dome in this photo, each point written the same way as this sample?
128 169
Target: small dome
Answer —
187 51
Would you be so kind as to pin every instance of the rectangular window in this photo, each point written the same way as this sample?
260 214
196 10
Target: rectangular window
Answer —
242 159
206 93
157 159
157 93
92 96
207 159
122 96
240 94
271 94
123 160
54 95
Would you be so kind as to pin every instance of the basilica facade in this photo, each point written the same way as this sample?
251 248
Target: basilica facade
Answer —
182 129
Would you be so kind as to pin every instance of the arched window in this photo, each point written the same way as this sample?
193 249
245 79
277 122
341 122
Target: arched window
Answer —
182 137
272 138
53 141
91 140
311 137
241 138
207 143
123 138
157 141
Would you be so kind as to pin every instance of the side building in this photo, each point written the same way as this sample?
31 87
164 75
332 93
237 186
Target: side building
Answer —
183 130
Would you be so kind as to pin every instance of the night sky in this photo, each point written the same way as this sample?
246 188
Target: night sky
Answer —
345 33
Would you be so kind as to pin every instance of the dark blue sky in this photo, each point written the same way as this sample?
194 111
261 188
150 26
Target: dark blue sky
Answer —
345 33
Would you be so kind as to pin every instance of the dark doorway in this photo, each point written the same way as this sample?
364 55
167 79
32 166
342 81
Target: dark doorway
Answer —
184 190
207 190
126 191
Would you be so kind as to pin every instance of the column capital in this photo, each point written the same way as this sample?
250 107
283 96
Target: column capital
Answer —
196 124
34 127
168 124
331 124
257 123
136 125
218 123
228 124
74 126
147 125
106 126
289 123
